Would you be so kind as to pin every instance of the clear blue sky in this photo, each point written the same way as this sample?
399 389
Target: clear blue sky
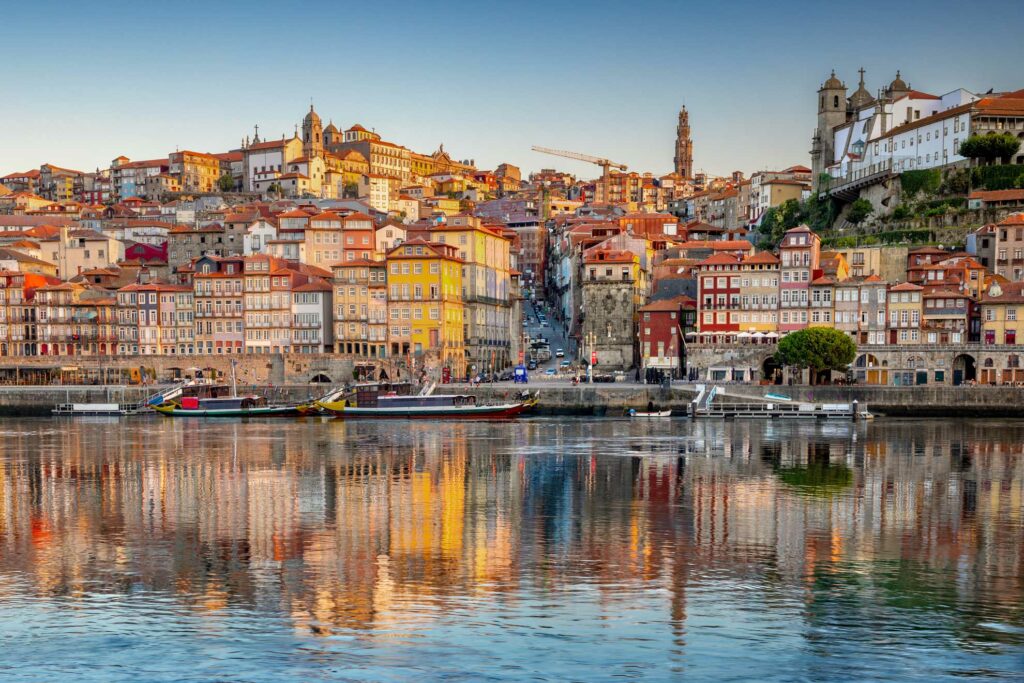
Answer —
85 82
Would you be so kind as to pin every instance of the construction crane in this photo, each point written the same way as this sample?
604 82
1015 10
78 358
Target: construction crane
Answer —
605 164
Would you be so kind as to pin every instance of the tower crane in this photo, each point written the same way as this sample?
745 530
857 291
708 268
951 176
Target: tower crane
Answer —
605 164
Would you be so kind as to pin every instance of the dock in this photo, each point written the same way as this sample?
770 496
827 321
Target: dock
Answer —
705 405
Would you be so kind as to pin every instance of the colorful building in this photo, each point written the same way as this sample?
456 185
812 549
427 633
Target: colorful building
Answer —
425 306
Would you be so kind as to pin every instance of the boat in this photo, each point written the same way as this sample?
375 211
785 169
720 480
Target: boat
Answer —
649 413
382 401
209 399
82 409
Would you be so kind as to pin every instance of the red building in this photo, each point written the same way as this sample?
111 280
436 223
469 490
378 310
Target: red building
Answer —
663 328
718 294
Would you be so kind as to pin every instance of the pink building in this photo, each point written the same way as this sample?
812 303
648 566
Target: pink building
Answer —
799 254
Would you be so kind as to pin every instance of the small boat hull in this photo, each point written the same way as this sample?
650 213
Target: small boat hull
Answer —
645 415
469 412
175 410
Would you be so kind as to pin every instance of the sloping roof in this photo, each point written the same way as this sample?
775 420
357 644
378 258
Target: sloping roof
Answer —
906 287
765 257
666 305
1013 219
719 259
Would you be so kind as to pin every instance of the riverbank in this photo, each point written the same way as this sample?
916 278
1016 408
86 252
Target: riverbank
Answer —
592 399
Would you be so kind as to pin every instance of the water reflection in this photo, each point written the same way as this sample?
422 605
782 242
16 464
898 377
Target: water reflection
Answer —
588 549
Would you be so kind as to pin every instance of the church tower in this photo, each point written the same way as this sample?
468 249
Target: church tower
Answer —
832 108
684 146
312 135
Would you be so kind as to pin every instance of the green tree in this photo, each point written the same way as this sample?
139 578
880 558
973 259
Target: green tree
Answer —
819 349
226 182
859 211
989 147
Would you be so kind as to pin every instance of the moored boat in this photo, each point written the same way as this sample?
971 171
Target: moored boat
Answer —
208 399
649 413
369 401
231 406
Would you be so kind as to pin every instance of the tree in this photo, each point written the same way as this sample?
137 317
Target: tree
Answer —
226 182
819 349
859 211
989 147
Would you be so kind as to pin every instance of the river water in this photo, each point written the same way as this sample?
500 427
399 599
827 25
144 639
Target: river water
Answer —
541 549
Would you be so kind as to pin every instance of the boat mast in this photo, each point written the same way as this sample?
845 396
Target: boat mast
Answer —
234 380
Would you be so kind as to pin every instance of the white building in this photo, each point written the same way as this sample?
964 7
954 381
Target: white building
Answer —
312 324
257 236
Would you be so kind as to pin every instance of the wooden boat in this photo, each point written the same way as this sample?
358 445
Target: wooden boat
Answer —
647 414
229 406
207 399
368 401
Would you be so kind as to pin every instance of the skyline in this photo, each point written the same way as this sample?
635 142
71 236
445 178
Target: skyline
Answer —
540 81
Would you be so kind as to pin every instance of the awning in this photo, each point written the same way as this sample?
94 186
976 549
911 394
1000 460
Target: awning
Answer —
743 335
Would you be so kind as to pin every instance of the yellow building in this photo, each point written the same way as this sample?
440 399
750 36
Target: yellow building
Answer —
759 294
425 308
486 287
196 171
905 306
1002 310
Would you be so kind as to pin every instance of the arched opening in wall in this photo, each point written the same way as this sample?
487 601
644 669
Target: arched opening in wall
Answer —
771 371
867 370
320 378
964 369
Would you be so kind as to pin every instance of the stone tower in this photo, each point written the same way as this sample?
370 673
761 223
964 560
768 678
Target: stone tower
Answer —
312 135
684 146
832 108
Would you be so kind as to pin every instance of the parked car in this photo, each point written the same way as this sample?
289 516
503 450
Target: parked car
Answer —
506 376
559 353
565 364
608 379
550 372
531 365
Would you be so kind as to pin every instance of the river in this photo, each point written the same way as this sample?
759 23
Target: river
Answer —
541 549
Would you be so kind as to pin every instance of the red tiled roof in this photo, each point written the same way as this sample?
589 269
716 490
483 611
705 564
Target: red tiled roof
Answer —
719 260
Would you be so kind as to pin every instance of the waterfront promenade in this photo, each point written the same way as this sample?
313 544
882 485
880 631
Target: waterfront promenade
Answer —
562 397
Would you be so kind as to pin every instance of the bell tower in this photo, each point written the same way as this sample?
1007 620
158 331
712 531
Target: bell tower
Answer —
684 146
832 111
312 135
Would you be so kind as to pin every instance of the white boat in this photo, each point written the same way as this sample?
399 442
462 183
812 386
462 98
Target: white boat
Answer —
98 409
647 414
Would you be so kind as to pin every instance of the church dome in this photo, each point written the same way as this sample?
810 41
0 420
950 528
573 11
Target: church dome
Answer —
833 83
312 116
898 84
861 97
330 128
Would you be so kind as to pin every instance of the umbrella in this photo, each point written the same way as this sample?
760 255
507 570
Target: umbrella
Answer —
757 335
743 335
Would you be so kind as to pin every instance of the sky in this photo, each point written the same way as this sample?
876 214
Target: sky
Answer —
83 83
